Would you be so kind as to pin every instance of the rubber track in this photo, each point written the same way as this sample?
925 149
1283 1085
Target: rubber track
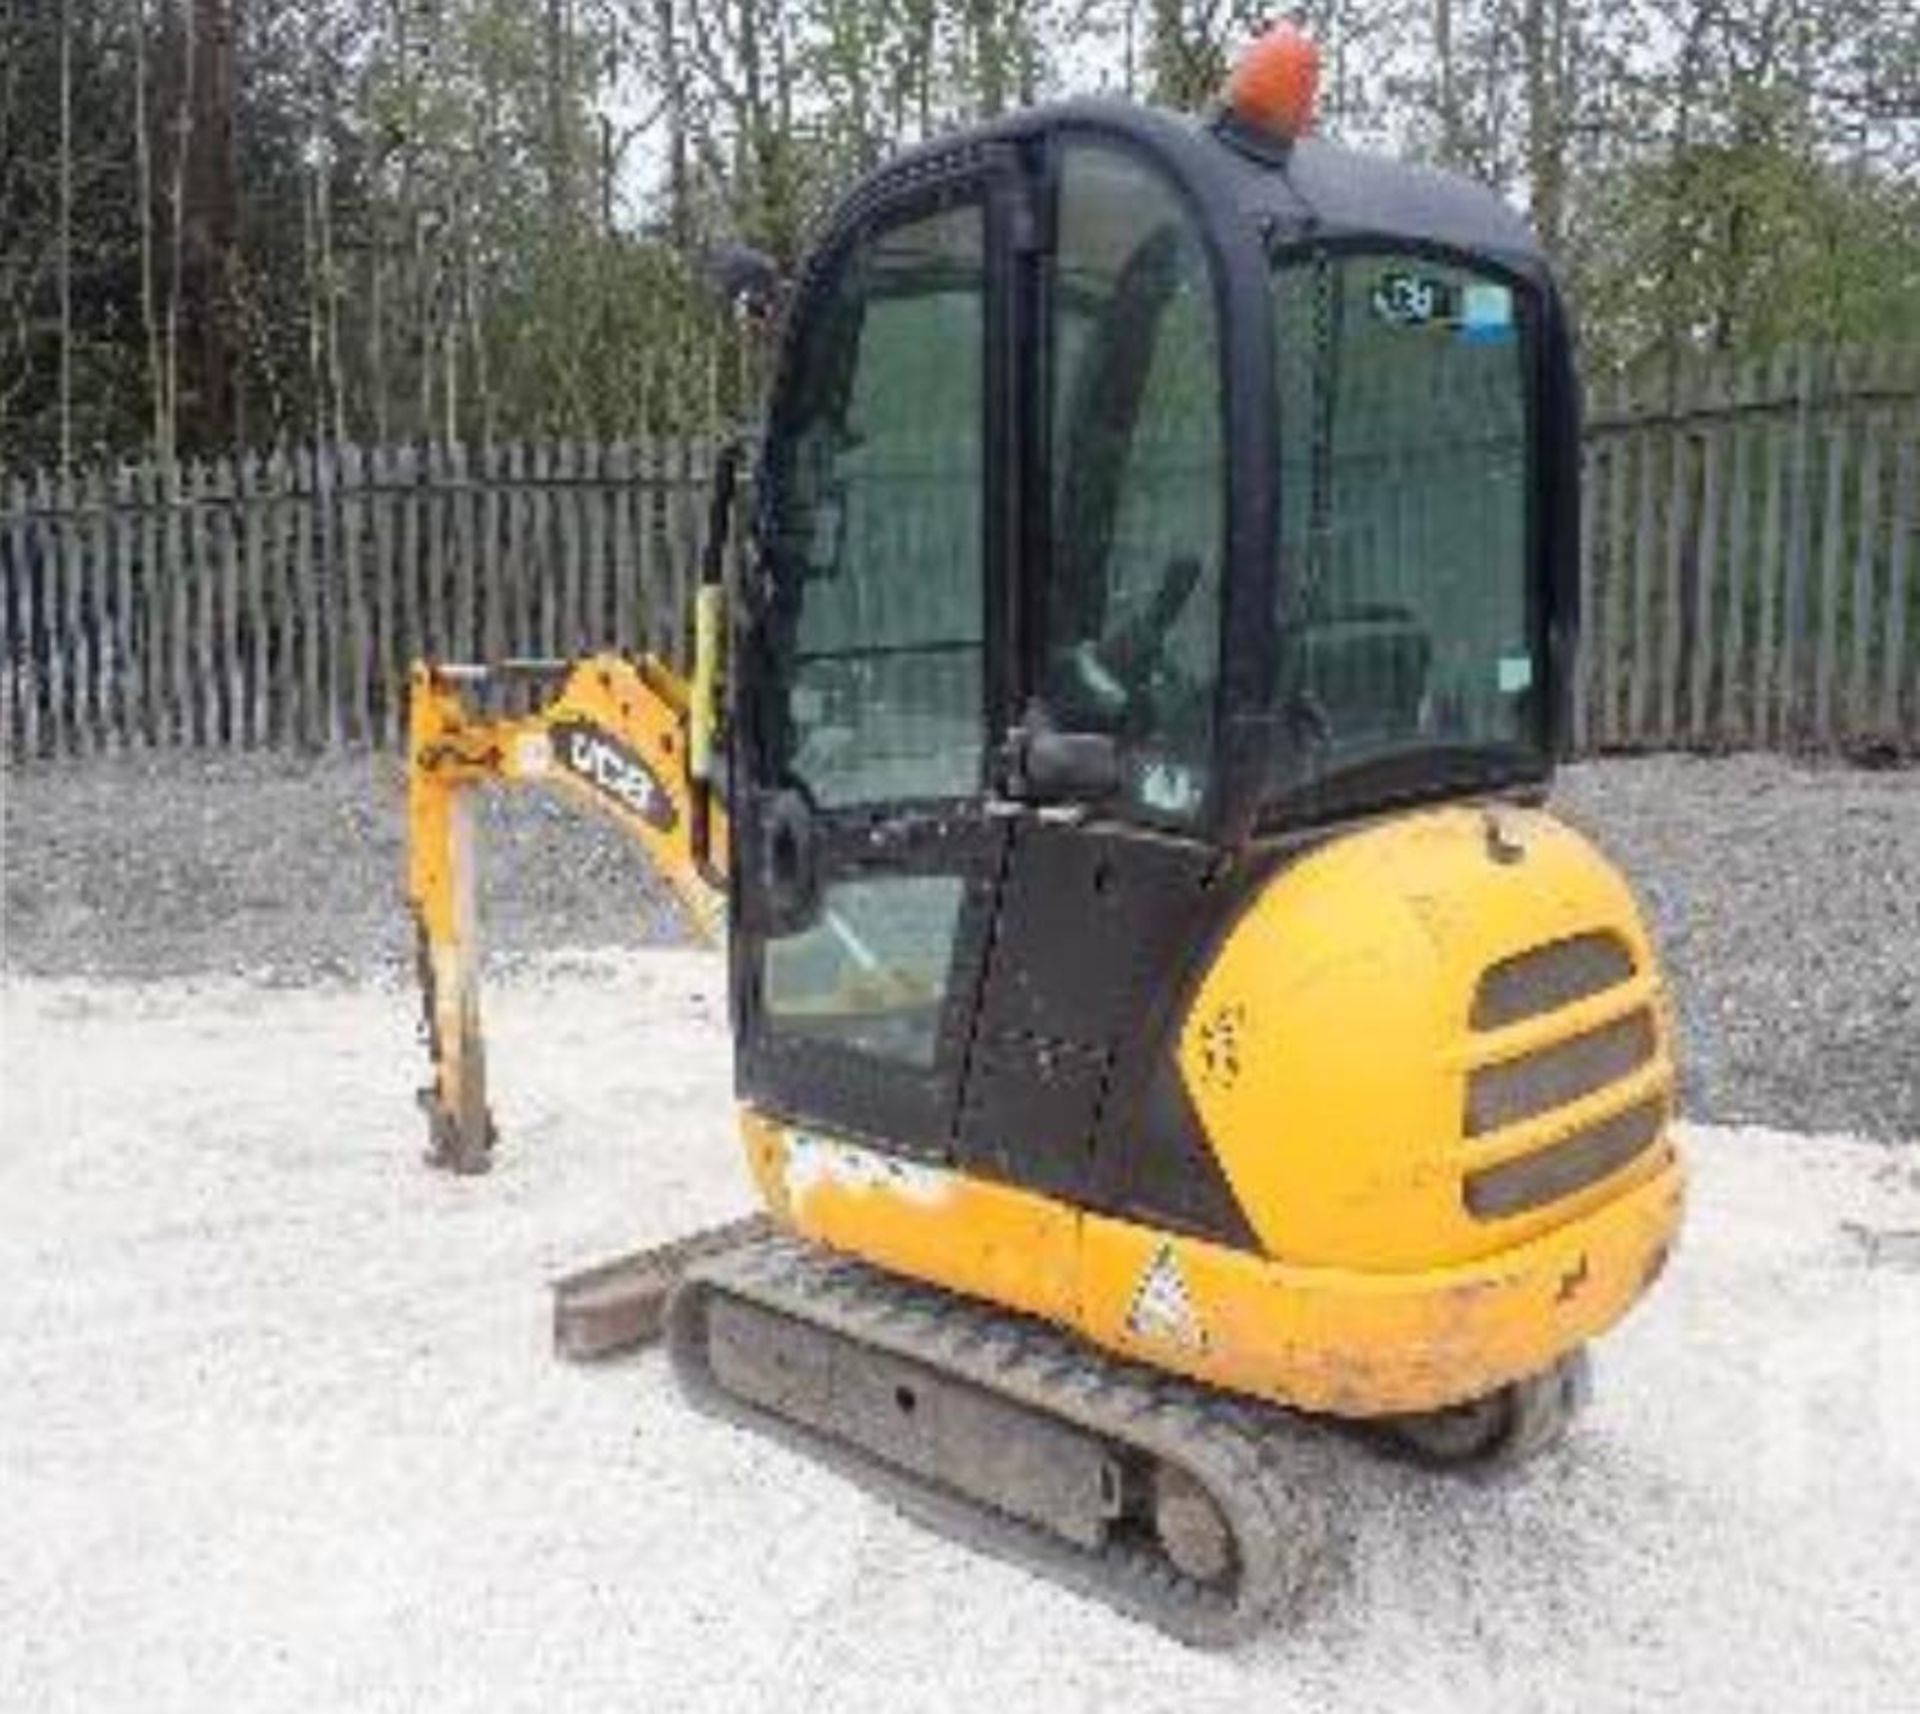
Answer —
1265 1469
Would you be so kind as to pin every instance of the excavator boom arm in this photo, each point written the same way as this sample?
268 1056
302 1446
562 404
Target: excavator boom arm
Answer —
628 738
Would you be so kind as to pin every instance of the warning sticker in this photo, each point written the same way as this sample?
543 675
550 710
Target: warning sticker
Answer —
1161 1308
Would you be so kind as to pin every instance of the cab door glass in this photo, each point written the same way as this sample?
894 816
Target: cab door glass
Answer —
872 972
1137 532
879 634
881 528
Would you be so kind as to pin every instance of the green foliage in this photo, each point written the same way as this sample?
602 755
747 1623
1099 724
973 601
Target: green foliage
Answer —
483 217
1748 246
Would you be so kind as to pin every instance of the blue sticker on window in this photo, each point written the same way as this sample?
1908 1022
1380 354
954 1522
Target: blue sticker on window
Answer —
1486 313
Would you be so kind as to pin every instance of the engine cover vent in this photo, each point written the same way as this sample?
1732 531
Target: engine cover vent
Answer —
1516 1089
1562 1168
1545 978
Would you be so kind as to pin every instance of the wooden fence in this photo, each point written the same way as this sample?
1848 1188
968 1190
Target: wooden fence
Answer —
278 601
1749 571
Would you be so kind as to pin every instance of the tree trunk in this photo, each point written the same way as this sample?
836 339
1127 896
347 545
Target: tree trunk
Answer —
208 219
1542 28
158 389
1447 93
559 87
674 98
66 240
1185 65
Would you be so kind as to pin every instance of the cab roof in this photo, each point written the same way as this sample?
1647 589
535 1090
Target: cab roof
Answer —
1308 189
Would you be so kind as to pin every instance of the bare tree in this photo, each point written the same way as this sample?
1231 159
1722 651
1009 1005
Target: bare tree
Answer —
66 241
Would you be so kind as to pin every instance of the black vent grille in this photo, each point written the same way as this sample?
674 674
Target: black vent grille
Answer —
1545 978
1549 1077
1560 1169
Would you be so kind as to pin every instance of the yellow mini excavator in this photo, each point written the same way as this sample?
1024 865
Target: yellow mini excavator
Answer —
1163 1011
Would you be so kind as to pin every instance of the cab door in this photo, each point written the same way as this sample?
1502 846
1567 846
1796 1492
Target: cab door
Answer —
867 861
1104 909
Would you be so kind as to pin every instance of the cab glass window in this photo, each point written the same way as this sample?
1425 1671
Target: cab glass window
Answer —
878 529
1408 640
1132 635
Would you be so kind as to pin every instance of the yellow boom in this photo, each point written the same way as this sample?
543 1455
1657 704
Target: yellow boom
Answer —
628 738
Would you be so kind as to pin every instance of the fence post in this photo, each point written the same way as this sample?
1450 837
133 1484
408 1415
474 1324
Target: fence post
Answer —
1893 664
64 610
233 491
624 626
1679 504
1732 725
149 599
567 471
216 524
335 591
493 502
1715 399
692 474
201 589
82 622
436 633
249 538
1832 546
647 505
1619 566
463 632
203 562
1768 673
177 597
1640 684
43 626
26 669
517 598
543 632
72 702
1866 554
358 651
277 583
1798 547
600 633
1581 666
306 482
94 539
403 471
125 696
385 667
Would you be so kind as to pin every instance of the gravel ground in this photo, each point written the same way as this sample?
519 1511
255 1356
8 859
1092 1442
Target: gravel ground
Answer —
281 1430
1786 898
285 870
1786 901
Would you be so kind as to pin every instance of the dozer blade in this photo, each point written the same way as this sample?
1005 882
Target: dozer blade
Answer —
620 1305
1202 1514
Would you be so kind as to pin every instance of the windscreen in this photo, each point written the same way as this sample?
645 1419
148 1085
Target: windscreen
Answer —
1407 655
